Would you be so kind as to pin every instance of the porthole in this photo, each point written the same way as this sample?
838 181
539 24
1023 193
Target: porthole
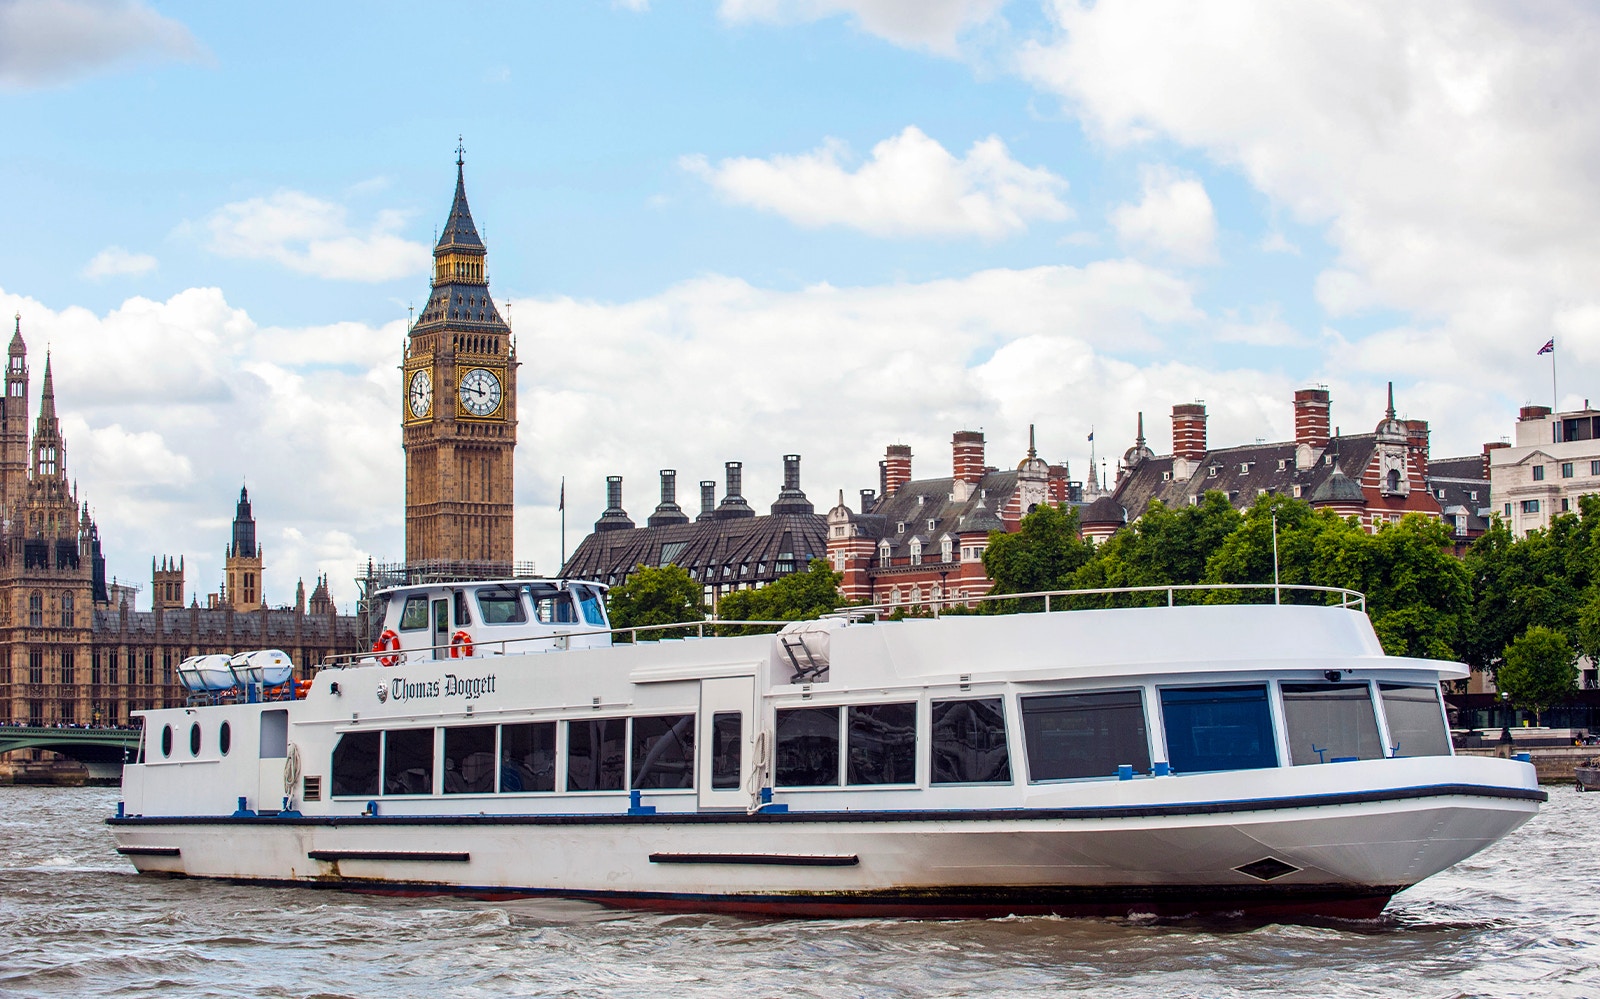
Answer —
166 740
225 739
194 739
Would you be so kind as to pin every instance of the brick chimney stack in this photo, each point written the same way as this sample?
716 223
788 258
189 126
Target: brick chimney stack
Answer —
967 456
1487 448
1189 431
1311 418
1417 437
896 468
868 499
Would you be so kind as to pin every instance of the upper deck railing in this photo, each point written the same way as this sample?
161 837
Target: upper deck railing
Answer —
1080 599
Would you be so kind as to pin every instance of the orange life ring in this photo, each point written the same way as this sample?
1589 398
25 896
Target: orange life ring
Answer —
460 645
387 648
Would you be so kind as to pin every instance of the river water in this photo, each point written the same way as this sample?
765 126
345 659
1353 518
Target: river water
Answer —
1522 919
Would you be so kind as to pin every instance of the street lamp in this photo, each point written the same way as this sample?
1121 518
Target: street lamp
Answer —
1505 733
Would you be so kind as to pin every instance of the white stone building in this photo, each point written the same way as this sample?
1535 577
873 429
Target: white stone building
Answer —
1554 460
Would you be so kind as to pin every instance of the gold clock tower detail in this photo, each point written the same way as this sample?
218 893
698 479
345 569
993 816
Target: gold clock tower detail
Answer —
459 411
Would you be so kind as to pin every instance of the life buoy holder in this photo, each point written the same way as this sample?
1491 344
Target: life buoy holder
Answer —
387 648
460 645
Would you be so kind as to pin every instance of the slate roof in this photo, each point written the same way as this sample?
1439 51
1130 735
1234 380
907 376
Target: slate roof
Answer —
1243 473
1461 489
715 552
458 228
905 514
462 305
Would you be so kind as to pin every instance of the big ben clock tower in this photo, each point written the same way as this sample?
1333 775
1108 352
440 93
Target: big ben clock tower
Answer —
459 410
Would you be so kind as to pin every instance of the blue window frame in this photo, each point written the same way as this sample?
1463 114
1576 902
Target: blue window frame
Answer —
1218 728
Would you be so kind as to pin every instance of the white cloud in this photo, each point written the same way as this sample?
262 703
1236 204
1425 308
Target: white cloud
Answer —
934 25
1277 242
1173 219
45 42
311 236
911 186
114 260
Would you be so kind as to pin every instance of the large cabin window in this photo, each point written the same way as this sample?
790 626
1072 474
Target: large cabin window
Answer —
501 605
355 764
1070 736
550 605
1330 721
528 757
414 617
663 752
1218 728
469 760
594 613
408 761
969 742
595 754
882 743
808 747
1416 720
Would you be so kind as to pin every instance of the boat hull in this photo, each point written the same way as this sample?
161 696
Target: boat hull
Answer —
1336 856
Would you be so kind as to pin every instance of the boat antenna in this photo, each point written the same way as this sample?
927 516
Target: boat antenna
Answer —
1277 596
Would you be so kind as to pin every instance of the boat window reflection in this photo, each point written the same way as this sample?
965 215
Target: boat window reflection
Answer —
414 616
408 761
727 743
550 605
1328 722
501 605
528 757
808 747
1416 720
1071 736
883 743
469 760
355 764
1218 728
663 752
595 754
969 742
589 601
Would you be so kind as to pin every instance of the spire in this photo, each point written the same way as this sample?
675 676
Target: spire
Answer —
47 401
1139 441
17 346
458 229
1033 452
1388 414
244 528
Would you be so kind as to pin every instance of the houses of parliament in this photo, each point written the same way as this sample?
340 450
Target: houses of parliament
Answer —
73 648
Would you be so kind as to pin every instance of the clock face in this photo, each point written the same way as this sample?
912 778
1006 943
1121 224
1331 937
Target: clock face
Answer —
421 394
480 392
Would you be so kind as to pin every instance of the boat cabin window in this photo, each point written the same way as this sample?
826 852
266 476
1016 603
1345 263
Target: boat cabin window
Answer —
1330 722
414 616
528 757
808 747
462 611
469 760
1071 736
1218 728
355 764
727 742
550 605
595 754
663 752
594 613
408 761
1416 720
501 605
882 743
969 742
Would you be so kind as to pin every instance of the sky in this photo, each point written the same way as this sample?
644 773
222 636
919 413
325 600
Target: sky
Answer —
728 230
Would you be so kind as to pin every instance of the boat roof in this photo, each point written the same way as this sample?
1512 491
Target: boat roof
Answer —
456 584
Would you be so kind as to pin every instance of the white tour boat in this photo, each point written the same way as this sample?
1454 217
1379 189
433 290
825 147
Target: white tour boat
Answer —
1261 758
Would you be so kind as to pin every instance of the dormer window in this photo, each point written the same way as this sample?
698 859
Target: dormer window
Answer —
947 549
900 527
916 552
1283 463
1211 472
933 525
1244 467
1166 476
884 553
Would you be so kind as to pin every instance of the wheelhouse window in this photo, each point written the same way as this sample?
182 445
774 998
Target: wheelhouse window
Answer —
594 613
1416 720
355 764
550 605
408 761
595 754
501 605
727 744
1084 735
528 757
663 752
414 616
808 747
1218 728
882 743
1329 722
469 760
969 742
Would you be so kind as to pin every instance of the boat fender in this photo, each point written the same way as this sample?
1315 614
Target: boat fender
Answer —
387 647
461 645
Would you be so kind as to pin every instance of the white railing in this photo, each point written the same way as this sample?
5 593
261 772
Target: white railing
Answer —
1348 599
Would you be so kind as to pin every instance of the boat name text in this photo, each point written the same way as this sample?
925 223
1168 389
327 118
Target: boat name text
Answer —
468 687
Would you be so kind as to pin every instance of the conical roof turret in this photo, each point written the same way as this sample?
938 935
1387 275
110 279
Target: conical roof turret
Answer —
458 228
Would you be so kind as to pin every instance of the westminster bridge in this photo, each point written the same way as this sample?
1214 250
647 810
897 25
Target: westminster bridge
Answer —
102 750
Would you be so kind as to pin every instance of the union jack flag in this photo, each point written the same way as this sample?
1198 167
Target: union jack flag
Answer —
1549 347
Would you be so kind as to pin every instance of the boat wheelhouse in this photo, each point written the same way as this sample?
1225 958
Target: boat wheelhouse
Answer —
502 740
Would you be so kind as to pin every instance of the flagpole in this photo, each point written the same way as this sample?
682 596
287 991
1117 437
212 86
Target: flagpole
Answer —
563 520
1555 397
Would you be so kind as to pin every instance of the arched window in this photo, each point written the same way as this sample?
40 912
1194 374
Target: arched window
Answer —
916 551
947 549
66 610
1394 480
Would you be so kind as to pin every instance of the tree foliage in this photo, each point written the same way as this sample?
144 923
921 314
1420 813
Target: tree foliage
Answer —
1042 555
1161 548
665 595
796 597
1538 669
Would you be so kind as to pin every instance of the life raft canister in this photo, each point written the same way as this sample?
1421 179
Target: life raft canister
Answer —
387 647
460 645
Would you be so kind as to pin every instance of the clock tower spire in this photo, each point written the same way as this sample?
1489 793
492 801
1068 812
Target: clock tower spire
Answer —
459 410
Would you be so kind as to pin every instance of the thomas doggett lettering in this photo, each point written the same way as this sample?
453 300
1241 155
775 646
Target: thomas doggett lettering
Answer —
468 687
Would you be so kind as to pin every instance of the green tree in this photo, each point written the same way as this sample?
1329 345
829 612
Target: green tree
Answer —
1163 547
1538 669
665 595
795 597
1042 555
